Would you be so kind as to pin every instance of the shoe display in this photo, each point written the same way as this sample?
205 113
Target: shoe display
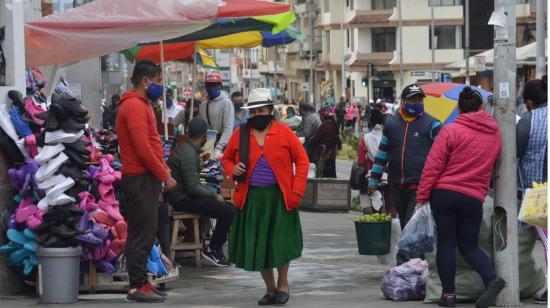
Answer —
54 192
77 158
22 127
52 181
78 146
32 109
48 152
72 171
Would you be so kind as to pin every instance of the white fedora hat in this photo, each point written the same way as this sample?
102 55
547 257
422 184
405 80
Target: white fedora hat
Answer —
259 97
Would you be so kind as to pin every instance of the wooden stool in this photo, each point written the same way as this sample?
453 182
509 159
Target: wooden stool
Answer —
177 243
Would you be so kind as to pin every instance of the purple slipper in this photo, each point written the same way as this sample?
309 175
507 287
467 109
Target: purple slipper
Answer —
105 266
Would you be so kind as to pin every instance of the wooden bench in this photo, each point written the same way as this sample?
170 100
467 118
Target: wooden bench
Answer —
177 242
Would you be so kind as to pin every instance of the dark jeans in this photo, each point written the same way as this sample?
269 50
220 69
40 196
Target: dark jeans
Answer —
163 229
341 123
142 194
458 219
404 202
221 211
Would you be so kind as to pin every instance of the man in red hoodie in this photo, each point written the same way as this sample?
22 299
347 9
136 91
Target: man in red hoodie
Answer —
143 172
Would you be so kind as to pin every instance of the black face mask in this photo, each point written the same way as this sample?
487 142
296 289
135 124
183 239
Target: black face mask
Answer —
260 122
238 106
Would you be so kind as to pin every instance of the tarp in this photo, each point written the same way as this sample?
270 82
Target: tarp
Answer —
105 26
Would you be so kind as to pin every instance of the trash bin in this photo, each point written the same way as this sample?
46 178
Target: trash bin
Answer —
59 276
373 238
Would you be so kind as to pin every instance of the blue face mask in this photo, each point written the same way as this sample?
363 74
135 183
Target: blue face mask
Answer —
414 109
169 102
213 92
154 91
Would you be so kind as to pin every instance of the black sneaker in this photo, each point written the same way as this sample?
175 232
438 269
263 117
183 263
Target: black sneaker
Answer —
543 299
447 300
145 294
491 292
216 258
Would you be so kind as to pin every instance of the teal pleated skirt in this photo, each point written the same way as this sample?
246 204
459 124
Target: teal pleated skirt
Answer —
264 235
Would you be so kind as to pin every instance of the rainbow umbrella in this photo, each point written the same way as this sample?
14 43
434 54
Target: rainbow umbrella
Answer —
442 99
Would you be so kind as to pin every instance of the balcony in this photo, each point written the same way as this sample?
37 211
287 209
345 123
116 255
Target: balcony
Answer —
370 18
375 58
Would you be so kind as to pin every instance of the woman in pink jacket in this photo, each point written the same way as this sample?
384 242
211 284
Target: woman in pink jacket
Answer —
455 180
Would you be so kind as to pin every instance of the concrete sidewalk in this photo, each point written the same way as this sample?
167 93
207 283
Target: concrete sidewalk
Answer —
330 274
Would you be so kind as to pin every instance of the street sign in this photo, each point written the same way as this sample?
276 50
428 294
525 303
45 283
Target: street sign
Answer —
305 86
479 63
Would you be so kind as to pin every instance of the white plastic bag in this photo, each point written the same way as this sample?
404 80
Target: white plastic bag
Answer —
390 258
419 235
534 208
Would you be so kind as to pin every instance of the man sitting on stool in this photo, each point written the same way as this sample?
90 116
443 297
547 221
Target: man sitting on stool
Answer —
192 196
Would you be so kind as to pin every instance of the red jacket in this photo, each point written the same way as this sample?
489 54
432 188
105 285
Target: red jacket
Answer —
462 157
139 141
282 150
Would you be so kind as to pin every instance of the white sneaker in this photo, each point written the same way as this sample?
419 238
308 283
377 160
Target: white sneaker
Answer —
62 136
48 152
45 203
50 167
60 188
52 181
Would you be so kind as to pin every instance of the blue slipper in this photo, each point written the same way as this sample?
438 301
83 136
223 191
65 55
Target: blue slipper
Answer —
155 264
17 237
9 248
29 264
18 256
31 235
31 245
22 127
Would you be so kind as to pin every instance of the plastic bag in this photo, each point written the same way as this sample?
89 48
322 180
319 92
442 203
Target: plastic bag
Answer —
390 258
419 235
534 208
407 281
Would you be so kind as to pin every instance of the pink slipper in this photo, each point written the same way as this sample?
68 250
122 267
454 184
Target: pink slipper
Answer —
87 202
30 141
102 217
107 192
33 109
120 230
111 208
26 208
118 247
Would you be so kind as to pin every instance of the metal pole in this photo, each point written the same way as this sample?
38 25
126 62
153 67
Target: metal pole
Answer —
432 29
467 39
400 46
343 47
311 77
194 83
506 211
541 36
164 111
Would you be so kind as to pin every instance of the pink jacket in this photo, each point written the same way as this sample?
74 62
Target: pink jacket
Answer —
351 112
462 157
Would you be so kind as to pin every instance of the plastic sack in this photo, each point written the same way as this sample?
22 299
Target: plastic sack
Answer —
407 281
534 208
419 235
390 258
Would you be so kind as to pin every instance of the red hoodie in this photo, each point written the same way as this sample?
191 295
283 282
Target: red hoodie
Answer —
138 139
462 157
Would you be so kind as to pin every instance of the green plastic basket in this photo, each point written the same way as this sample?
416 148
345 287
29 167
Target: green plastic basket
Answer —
373 238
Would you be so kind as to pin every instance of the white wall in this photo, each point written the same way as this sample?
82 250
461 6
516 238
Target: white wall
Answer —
419 9
416 48
336 46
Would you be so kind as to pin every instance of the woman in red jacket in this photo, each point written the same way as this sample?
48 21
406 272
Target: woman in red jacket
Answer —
455 180
266 232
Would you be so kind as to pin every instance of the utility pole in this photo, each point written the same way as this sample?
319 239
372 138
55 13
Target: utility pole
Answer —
467 39
311 77
506 211
400 47
540 36
343 47
432 36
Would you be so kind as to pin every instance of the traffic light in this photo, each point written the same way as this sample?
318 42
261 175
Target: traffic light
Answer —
365 81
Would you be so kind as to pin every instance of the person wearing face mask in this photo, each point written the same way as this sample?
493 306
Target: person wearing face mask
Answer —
266 232
407 138
192 196
291 120
218 112
143 172
172 108
241 115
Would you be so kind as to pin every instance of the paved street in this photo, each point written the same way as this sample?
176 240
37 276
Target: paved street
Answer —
330 274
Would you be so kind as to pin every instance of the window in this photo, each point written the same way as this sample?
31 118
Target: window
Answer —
327 42
444 2
326 6
383 4
383 39
446 37
348 38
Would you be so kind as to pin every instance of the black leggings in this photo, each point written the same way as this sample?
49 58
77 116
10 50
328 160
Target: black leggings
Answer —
458 219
